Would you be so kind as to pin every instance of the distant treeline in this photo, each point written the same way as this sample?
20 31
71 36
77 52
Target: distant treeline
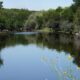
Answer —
58 20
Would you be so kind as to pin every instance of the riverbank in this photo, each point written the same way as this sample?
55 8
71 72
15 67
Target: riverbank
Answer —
49 30
4 33
45 30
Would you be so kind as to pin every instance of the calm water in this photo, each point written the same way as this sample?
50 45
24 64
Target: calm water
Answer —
36 56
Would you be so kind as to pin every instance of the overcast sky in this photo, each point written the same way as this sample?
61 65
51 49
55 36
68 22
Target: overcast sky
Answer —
36 4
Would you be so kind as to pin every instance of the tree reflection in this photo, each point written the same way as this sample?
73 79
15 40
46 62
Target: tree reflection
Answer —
1 61
61 42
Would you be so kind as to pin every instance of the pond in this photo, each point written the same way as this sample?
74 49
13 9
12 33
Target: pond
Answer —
39 56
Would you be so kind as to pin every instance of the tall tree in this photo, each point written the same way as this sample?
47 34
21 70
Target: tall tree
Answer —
77 20
1 4
77 2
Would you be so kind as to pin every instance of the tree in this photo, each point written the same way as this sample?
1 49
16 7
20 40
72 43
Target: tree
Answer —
77 2
77 20
34 21
13 19
1 4
67 14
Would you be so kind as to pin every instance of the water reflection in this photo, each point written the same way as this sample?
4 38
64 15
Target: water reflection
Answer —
1 61
58 43
66 43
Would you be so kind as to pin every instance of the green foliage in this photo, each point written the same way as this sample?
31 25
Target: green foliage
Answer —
13 19
67 14
75 5
58 20
34 21
77 20
77 2
1 4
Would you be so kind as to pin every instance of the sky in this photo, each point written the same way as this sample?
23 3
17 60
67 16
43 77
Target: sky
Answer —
36 4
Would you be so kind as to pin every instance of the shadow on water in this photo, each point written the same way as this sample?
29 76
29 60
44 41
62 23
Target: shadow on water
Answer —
67 43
